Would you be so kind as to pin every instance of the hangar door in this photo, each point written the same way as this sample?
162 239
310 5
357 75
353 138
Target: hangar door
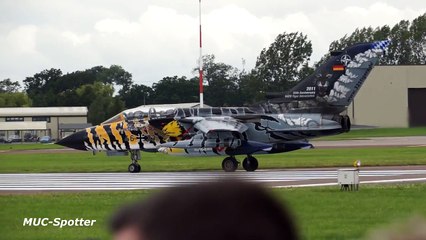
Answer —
417 106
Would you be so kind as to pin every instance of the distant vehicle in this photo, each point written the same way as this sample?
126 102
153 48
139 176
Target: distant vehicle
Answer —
2 139
45 139
13 138
28 137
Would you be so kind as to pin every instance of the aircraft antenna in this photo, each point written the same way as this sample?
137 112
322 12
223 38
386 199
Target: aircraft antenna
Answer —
201 60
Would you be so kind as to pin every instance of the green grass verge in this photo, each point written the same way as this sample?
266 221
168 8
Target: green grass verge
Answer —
378 132
86 162
28 146
321 213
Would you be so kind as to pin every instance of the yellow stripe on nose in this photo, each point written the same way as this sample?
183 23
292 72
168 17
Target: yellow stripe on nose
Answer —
102 134
115 133
90 136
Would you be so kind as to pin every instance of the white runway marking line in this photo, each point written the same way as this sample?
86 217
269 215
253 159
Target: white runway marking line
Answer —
127 181
361 182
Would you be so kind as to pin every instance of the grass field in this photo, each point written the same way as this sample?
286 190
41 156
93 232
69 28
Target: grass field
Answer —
378 132
29 146
87 162
321 213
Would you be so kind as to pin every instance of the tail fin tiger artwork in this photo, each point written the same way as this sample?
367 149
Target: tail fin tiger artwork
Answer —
313 108
335 83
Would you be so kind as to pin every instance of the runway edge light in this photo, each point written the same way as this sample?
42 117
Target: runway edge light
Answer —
357 163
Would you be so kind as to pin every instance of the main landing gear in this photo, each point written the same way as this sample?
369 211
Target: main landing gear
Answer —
230 164
250 164
134 167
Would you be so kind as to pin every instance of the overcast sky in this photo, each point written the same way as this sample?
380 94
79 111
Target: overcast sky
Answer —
157 38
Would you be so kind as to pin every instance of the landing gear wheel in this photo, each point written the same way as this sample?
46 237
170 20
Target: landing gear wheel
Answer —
229 164
250 164
134 168
345 121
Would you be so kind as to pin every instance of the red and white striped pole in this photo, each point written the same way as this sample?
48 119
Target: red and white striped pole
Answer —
201 61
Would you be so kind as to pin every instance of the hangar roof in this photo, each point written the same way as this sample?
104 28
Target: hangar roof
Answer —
42 111
11 126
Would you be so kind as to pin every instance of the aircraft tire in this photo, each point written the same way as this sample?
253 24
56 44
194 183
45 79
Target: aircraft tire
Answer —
250 164
134 167
138 168
345 121
229 164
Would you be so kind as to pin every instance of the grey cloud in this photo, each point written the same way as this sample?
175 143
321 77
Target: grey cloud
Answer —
153 39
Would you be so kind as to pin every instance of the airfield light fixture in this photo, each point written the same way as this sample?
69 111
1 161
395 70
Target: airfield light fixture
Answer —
357 163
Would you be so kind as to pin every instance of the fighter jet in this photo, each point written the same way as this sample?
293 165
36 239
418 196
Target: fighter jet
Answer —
285 122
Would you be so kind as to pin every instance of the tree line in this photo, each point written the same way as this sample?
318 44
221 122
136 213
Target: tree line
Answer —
108 90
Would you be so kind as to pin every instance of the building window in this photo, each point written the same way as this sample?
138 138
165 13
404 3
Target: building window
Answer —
41 119
14 119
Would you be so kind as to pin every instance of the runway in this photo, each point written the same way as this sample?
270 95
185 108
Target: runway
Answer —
10 183
413 141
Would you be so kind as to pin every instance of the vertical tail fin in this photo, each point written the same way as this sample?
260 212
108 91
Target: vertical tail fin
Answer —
336 82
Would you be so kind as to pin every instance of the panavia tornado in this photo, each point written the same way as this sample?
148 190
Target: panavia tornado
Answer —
313 108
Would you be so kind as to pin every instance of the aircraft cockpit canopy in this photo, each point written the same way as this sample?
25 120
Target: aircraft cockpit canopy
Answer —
215 111
149 113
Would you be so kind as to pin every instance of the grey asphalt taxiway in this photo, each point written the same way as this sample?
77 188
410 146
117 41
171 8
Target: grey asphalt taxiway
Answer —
412 141
147 180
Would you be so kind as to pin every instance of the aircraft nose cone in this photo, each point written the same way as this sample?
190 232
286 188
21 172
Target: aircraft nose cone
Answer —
75 140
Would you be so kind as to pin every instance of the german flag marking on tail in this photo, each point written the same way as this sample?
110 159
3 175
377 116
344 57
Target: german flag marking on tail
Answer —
337 68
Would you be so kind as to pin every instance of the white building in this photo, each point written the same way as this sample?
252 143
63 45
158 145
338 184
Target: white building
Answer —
41 121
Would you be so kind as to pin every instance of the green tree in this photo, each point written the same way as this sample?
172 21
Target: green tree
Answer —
51 88
88 92
250 88
42 88
279 67
222 83
14 99
102 104
400 52
418 39
137 95
7 86
103 108
408 41
175 90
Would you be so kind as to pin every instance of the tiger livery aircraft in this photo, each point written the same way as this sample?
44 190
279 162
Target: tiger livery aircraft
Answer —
313 108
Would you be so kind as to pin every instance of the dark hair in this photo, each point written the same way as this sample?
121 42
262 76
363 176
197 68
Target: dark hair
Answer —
128 215
210 211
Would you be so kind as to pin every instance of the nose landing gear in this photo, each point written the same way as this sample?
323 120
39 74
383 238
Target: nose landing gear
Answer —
134 167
